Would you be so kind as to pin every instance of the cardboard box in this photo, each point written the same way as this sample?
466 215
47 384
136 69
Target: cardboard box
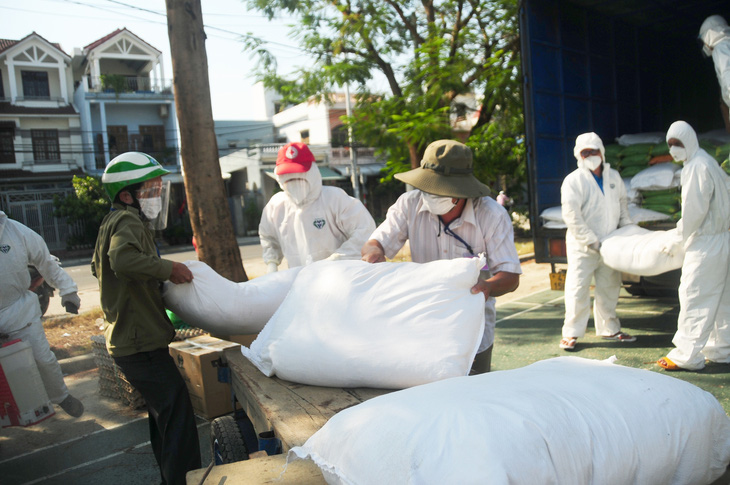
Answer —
244 340
194 358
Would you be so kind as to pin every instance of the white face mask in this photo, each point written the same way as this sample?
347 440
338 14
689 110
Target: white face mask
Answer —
297 189
679 154
436 204
592 162
151 207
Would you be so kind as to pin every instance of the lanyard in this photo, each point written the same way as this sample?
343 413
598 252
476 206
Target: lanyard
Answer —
447 230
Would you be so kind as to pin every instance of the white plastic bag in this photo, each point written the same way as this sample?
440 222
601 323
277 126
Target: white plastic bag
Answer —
224 307
565 420
385 325
635 250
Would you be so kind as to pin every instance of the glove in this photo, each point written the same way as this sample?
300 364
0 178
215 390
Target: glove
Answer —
71 302
272 268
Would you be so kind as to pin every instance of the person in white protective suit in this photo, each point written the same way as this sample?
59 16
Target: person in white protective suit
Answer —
308 222
715 37
20 312
594 203
703 326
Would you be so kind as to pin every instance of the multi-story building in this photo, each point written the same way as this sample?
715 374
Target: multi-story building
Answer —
41 146
63 115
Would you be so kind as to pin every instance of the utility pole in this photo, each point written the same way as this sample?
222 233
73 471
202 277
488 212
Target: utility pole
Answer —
207 202
355 173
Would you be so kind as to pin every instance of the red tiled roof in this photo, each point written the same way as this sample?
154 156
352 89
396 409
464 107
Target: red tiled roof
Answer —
9 109
97 43
8 43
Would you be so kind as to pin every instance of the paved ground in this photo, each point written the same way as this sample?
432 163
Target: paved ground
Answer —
109 444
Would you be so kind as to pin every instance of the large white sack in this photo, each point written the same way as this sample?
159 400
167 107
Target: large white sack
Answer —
385 325
654 137
565 420
635 250
639 214
657 177
224 307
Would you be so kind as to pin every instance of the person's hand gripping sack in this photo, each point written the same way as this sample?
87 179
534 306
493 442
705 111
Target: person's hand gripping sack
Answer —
71 302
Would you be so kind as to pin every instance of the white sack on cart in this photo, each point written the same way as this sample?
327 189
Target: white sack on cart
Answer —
224 307
654 137
565 420
553 218
385 325
635 250
657 177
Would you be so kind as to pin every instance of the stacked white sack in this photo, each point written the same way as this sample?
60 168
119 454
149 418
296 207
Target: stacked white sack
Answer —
562 421
385 325
553 216
638 251
224 307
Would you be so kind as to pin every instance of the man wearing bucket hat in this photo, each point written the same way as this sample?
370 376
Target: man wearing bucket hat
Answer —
594 203
308 222
138 331
451 216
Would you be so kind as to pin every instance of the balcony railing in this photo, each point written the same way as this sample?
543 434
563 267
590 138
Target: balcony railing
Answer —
119 84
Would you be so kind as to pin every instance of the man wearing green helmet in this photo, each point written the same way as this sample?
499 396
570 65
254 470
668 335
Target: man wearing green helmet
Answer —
130 272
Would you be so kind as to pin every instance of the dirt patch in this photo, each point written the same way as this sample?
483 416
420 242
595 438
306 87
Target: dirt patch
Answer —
70 336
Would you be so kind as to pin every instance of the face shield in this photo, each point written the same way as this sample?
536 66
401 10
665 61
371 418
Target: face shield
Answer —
154 199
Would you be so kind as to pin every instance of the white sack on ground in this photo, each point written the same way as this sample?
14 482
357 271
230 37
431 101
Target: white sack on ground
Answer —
385 325
222 306
635 250
565 420
657 177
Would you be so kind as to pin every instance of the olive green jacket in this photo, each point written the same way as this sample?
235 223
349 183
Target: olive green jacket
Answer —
130 273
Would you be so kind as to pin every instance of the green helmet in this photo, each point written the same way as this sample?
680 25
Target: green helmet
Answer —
128 169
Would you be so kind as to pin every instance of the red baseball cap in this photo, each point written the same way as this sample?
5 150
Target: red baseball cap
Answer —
293 158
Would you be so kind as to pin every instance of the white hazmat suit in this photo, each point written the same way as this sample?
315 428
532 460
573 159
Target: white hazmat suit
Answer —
312 223
591 214
715 34
20 312
703 327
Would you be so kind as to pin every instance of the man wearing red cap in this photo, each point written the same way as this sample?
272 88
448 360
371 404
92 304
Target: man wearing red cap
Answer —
308 222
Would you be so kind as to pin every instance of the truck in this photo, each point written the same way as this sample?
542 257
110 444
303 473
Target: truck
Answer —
614 68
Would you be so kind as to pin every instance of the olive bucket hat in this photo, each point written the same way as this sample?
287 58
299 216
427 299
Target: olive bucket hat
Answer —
446 170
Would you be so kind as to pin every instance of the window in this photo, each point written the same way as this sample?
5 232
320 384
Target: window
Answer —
35 84
45 145
153 139
2 90
118 140
305 136
7 147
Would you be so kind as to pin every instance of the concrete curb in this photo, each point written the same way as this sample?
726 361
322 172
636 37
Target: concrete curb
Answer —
80 363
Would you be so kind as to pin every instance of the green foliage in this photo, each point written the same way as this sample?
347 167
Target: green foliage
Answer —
84 208
428 53
115 82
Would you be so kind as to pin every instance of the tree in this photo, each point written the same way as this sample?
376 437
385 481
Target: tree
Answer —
208 207
429 53
84 208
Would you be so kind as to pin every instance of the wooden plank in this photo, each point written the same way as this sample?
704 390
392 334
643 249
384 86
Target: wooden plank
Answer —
293 411
260 471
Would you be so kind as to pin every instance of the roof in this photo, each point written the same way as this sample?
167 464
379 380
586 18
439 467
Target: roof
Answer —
97 43
6 44
10 109
23 175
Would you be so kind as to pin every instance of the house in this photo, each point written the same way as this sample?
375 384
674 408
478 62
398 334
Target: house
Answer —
125 101
40 133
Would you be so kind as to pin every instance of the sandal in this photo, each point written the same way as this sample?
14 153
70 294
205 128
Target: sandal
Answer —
568 343
621 337
667 364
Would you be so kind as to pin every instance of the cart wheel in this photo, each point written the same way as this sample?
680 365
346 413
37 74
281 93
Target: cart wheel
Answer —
226 441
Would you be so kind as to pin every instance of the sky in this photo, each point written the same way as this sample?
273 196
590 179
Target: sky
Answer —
77 23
